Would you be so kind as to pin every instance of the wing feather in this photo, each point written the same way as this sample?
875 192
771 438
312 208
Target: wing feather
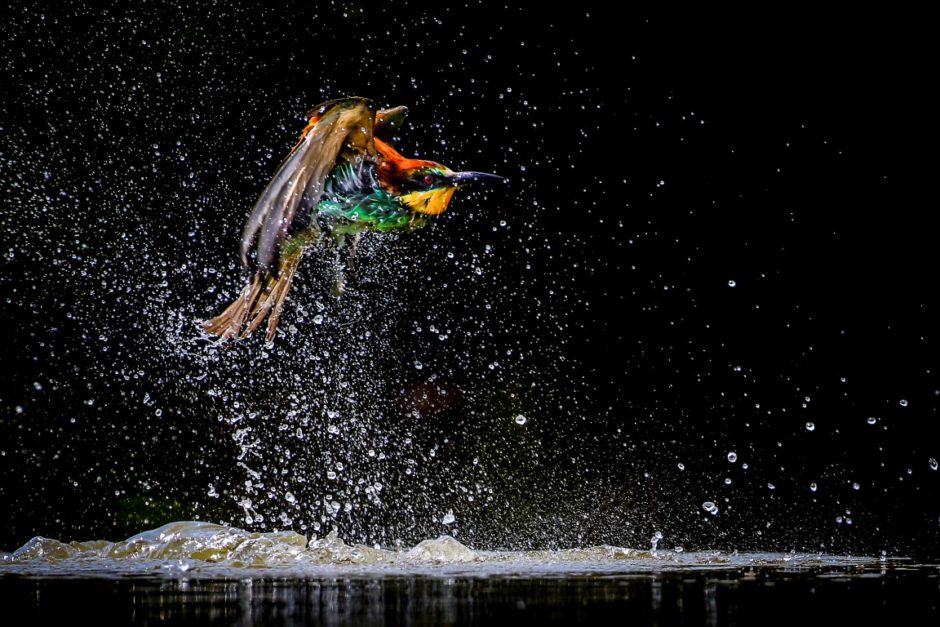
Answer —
388 122
342 130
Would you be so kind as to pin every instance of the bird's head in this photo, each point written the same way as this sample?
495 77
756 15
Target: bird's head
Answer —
425 186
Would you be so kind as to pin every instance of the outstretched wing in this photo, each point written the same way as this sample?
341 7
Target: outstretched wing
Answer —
339 130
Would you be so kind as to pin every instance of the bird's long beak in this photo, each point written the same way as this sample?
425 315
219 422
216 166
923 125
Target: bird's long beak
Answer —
462 178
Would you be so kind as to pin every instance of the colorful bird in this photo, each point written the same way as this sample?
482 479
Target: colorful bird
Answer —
340 179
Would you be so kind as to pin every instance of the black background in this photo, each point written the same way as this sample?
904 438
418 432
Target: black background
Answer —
652 160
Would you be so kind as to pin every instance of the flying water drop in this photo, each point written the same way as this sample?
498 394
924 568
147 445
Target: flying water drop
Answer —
655 541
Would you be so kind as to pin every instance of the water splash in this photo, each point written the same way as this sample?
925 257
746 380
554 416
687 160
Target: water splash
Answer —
195 549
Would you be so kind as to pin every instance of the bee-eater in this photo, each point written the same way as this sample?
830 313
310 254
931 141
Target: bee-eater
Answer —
340 179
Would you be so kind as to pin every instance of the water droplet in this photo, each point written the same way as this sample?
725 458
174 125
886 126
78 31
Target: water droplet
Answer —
449 518
520 419
810 426
771 486
856 486
727 480
681 466
418 365
933 463
732 283
710 507
318 319
655 541
872 420
812 487
333 429
732 457
290 498
903 402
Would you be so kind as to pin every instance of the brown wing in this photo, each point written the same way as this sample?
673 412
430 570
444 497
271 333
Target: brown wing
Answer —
338 130
388 122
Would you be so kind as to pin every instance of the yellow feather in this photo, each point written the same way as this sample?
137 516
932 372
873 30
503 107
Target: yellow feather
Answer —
430 202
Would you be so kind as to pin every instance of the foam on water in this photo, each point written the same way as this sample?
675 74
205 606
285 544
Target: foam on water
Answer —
200 549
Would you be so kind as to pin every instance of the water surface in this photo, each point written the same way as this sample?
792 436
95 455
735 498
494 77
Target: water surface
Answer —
191 572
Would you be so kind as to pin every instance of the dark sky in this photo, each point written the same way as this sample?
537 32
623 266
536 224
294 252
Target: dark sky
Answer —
715 239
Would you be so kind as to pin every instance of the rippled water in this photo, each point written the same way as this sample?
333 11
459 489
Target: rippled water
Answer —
195 572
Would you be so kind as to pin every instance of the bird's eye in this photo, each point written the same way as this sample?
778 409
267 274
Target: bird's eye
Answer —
428 179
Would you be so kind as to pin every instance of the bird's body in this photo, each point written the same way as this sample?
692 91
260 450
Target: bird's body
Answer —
338 180
354 200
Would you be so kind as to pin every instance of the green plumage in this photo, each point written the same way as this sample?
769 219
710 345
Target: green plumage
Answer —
377 210
354 201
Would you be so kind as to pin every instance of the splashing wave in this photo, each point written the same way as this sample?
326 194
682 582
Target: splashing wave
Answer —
206 549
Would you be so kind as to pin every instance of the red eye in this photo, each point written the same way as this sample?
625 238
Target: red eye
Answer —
428 179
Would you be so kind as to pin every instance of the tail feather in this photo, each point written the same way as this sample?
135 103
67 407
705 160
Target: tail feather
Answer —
262 298
280 294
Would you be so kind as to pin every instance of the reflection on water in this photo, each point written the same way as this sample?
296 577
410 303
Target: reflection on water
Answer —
192 572
717 597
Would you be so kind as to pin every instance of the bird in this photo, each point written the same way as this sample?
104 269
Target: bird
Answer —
341 178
